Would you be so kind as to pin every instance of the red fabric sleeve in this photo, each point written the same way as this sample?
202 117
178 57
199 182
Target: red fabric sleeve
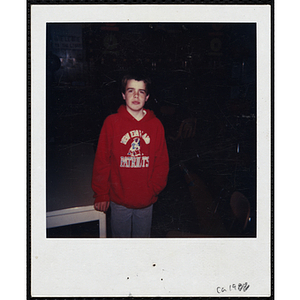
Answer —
101 169
161 164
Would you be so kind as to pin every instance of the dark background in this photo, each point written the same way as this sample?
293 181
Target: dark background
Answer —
204 82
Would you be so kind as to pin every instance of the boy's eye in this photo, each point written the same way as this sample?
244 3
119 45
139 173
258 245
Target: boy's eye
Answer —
130 91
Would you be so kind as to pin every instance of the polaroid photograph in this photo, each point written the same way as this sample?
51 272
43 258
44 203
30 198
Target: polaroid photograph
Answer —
151 150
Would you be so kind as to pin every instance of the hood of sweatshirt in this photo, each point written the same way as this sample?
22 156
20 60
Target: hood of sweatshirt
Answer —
148 116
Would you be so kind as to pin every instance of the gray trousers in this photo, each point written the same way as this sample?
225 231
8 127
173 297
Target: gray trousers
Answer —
129 222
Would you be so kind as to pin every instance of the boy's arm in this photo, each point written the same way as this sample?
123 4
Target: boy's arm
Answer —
101 169
161 164
101 206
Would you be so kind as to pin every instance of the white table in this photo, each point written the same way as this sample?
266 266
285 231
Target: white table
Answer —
76 215
69 194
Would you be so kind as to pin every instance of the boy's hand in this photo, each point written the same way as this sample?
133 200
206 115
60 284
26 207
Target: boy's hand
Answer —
101 206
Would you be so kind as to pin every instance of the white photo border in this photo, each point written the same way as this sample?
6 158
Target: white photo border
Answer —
189 267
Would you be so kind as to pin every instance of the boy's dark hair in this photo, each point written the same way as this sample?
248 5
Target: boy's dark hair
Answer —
138 76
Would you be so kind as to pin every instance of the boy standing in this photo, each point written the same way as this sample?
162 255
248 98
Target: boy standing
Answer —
131 163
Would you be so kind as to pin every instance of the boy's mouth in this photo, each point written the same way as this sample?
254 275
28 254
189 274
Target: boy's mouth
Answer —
135 102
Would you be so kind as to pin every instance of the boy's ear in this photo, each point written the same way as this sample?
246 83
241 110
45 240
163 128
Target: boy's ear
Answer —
123 95
147 97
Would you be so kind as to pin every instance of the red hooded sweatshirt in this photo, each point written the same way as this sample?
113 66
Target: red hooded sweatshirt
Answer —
131 164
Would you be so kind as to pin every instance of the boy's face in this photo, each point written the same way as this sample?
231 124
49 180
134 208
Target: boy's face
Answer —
135 95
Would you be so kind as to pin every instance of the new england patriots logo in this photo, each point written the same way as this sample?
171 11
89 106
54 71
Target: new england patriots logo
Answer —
135 149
